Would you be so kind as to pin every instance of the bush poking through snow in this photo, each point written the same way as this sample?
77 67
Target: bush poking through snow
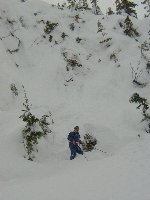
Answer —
72 62
50 38
78 40
72 26
106 41
126 6
96 9
76 18
144 104
110 11
64 35
89 142
34 129
100 27
50 26
145 47
113 57
128 28
14 89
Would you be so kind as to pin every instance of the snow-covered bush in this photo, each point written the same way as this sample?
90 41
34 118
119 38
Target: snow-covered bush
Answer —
145 108
128 28
126 7
89 142
96 9
34 129
78 5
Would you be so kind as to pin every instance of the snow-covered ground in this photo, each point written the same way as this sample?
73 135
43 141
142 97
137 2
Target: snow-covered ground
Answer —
94 96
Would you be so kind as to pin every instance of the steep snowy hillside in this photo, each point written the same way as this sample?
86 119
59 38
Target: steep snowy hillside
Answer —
79 68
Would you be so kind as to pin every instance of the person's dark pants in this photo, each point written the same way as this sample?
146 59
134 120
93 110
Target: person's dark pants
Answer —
74 148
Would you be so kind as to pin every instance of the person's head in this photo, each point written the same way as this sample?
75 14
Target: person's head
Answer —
76 128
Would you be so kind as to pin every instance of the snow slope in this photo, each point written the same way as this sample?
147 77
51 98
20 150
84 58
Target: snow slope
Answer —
94 96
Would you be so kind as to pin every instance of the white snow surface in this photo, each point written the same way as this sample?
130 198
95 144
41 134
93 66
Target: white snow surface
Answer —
97 100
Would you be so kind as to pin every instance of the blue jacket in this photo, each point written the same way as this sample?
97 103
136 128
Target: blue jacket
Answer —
74 136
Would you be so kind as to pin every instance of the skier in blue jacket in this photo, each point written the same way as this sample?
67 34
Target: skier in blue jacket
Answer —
74 140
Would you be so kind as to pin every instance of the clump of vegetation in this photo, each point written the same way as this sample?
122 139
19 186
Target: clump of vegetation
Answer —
128 28
145 47
110 11
34 129
136 98
113 57
50 26
78 40
89 142
126 6
78 5
96 9
14 89
63 35
100 27
72 26
72 61
50 38
76 18
62 6
146 7
106 41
